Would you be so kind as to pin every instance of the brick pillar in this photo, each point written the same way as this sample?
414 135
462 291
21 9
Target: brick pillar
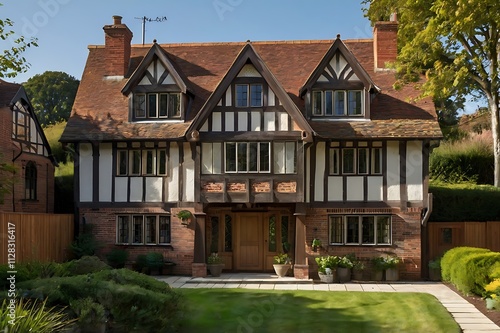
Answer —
301 267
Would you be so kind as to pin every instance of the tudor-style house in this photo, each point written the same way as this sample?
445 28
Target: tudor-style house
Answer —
30 188
268 144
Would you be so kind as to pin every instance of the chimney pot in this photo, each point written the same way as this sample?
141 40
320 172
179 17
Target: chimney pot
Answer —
117 19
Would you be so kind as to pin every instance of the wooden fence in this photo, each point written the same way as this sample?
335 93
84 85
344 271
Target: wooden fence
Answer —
443 236
43 237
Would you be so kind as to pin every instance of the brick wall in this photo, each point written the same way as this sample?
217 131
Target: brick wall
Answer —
117 41
405 240
385 44
180 251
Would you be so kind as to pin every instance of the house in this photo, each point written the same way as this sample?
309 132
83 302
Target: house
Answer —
23 145
269 145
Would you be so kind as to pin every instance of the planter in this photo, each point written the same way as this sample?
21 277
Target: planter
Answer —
377 275
392 274
343 274
357 274
215 269
492 304
281 269
327 278
435 274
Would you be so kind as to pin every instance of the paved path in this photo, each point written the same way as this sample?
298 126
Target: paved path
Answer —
470 319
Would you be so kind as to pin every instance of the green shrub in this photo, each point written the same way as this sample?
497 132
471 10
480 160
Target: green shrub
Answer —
85 244
117 258
89 312
28 271
141 263
154 260
33 316
464 202
450 259
85 265
495 271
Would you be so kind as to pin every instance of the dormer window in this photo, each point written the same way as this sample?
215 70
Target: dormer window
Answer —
248 95
157 105
337 103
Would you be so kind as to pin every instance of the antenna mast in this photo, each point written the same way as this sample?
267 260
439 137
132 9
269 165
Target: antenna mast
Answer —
145 19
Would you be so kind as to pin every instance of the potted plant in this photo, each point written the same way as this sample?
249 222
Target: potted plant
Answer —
316 243
357 269
327 268
282 263
378 267
344 267
391 268
185 216
91 315
435 269
215 264
154 262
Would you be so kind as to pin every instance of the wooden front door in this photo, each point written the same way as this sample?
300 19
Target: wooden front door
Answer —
249 242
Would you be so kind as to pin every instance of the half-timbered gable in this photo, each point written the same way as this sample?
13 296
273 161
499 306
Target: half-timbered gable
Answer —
268 144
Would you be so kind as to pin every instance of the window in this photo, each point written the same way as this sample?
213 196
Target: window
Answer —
30 179
228 233
248 95
157 105
247 156
337 103
149 162
285 158
140 229
360 229
272 234
350 161
214 244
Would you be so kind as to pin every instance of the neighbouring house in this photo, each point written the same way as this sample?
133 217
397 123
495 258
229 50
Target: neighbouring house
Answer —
30 189
269 145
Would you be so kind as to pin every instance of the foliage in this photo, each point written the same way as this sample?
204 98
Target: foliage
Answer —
235 310
12 61
184 215
52 95
154 260
84 265
345 262
64 194
53 134
464 202
282 259
117 258
85 244
133 301
468 160
88 311
33 316
214 258
391 262
141 264
493 288
316 242
7 180
435 264
455 44
28 271
378 263
469 269
326 262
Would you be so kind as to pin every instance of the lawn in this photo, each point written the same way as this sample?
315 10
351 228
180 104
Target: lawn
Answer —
252 311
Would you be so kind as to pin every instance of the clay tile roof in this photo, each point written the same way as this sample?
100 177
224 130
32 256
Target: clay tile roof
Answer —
7 92
101 111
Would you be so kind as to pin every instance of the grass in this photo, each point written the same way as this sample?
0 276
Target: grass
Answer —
244 310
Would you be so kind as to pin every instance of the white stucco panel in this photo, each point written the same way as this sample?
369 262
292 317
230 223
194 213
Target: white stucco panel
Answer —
121 189
154 188
255 117
216 122
86 172
375 188
355 190
136 189
269 121
188 174
335 189
319 179
105 171
173 174
414 165
229 121
393 178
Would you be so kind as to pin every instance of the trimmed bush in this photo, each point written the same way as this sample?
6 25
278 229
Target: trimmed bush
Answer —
85 265
470 269
117 258
28 271
464 202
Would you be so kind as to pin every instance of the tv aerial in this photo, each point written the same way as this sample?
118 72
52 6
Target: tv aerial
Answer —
145 19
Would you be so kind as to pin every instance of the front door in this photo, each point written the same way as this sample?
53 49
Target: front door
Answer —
249 242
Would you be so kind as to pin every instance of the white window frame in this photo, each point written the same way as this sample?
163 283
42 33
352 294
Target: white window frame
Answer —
157 162
145 114
284 152
247 154
333 99
378 220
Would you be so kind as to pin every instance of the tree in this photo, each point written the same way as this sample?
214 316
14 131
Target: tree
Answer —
455 43
52 95
12 61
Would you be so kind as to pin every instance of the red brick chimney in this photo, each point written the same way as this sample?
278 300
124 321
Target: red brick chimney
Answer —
117 42
385 42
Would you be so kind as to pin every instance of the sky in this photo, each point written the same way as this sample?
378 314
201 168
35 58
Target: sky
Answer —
65 28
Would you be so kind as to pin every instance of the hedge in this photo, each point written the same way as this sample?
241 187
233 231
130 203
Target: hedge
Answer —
464 202
469 269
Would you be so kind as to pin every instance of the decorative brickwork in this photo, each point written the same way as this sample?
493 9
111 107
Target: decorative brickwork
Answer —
261 187
199 270
237 187
286 187
213 187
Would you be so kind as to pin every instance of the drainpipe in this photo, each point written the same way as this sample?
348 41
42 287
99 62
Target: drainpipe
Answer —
428 211
13 181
